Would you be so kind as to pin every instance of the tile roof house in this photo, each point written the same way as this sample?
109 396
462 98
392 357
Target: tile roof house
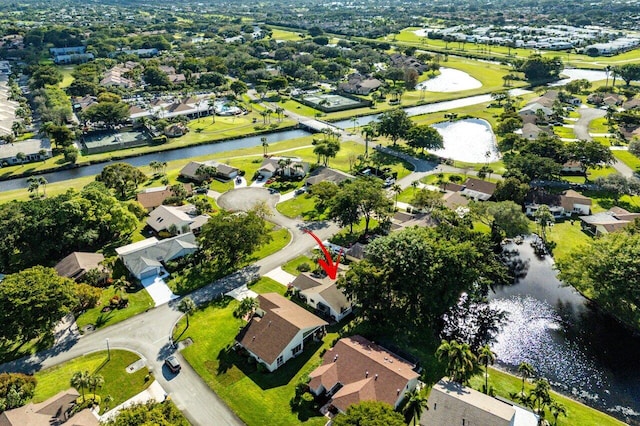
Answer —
32 148
279 330
145 258
529 112
322 174
560 205
323 294
223 171
531 131
615 219
77 264
296 168
180 220
54 411
451 404
359 85
356 370
479 190
151 198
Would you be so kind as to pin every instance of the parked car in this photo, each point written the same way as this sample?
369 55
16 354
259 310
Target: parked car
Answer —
173 364
201 190
273 191
260 178
300 191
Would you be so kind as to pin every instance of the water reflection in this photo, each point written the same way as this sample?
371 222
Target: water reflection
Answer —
580 351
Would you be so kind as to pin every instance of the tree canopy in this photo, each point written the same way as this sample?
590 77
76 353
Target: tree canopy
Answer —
608 271
412 277
122 177
33 301
369 413
394 124
151 413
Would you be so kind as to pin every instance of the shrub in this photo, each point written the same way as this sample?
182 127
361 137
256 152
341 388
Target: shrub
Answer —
303 267
308 397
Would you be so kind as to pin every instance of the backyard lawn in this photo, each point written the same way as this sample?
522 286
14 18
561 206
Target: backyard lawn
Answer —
118 383
292 265
302 205
568 237
628 158
578 414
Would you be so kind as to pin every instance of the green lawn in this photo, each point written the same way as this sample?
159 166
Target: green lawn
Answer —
257 398
628 158
139 301
285 35
578 414
292 265
281 237
564 132
118 383
599 125
302 205
567 237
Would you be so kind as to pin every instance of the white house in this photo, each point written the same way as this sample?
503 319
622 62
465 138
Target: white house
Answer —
33 150
323 294
530 111
287 166
144 259
563 205
179 220
356 370
479 190
279 330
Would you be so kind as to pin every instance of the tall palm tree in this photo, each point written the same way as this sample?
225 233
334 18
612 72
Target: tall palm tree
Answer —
540 393
415 185
526 371
34 185
212 105
397 189
80 379
43 182
416 403
187 306
120 284
96 381
486 356
369 132
265 146
557 409
461 362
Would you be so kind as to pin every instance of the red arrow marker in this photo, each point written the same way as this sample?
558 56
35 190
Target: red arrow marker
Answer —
329 267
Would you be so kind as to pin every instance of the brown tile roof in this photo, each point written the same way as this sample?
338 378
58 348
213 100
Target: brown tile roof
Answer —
77 264
51 411
325 287
365 370
269 335
154 197
454 200
480 185
453 187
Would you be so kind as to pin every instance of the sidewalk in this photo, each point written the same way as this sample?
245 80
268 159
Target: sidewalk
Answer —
155 392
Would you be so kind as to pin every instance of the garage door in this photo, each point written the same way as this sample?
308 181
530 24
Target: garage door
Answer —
148 274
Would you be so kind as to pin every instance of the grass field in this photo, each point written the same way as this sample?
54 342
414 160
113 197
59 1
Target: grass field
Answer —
284 35
291 266
67 78
568 236
577 414
139 301
628 158
301 206
118 383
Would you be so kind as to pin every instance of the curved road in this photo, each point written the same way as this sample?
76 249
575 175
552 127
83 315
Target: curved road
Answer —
149 334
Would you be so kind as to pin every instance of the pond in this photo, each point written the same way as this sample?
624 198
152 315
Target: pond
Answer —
470 140
582 352
578 74
449 80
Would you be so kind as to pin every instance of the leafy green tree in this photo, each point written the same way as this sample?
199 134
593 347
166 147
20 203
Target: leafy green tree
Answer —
33 301
229 238
122 177
323 192
628 72
608 269
590 153
460 360
70 154
533 166
95 381
394 124
344 207
156 413
424 137
507 216
369 413
541 396
538 68
485 357
238 87
426 199
326 149
415 405
247 305
110 113
15 390
88 296
544 219
511 189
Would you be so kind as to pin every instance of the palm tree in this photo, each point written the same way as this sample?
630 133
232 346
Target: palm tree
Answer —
163 166
557 409
541 396
155 166
187 306
526 370
416 403
265 146
486 356
43 182
397 189
246 306
80 379
107 400
96 381
34 185
279 113
212 105
461 362
607 69
414 185
120 284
